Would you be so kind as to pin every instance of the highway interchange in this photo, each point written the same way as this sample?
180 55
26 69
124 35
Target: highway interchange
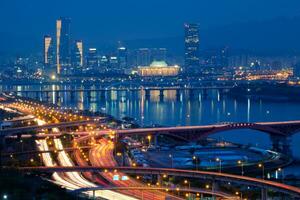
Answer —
93 171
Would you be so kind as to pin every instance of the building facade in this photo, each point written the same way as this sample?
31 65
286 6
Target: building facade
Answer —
49 62
63 45
158 68
77 56
191 41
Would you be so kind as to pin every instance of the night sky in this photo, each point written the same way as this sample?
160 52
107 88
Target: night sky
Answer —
99 21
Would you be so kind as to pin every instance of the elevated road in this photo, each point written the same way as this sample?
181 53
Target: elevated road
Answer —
213 176
154 188
26 129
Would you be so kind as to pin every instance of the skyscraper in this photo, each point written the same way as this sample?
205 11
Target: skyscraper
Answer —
158 54
48 55
122 58
77 56
92 59
191 41
63 45
143 57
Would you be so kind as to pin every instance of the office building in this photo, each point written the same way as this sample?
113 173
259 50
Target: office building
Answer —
92 59
158 54
63 45
143 57
122 58
191 41
77 56
49 62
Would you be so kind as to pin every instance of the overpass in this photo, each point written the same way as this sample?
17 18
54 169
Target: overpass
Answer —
26 129
264 185
174 189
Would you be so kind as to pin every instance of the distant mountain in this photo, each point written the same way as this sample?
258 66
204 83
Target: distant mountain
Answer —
277 36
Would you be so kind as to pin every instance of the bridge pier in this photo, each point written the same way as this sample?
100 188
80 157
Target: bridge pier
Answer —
147 93
264 194
191 93
178 94
161 95
281 144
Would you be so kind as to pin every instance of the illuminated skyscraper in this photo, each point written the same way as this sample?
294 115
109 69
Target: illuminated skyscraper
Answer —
191 47
92 59
77 56
48 55
63 45
122 58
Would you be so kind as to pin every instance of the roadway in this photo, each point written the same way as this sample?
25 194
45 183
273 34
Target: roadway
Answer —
291 190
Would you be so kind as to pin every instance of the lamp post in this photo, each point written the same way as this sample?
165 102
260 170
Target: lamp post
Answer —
220 164
260 165
171 157
196 162
241 163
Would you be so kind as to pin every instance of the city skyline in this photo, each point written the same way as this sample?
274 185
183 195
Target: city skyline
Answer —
98 30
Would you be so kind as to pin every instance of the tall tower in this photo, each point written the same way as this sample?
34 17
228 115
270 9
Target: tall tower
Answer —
122 57
191 41
77 55
48 54
63 43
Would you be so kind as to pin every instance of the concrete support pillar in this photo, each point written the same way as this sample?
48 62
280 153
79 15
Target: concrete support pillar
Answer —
178 94
264 194
147 93
192 93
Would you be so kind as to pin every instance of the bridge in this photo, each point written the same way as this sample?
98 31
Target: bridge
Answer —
44 93
164 189
26 129
264 185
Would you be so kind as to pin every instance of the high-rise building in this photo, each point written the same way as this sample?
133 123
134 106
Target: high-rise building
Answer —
77 56
63 45
191 41
92 59
158 54
48 55
122 58
143 57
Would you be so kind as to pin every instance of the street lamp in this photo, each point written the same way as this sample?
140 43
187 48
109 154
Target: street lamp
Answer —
149 139
260 165
171 157
241 163
220 164
196 162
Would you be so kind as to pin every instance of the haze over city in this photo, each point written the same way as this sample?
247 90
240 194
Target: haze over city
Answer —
158 100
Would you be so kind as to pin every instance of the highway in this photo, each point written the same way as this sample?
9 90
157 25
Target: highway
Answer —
244 180
101 157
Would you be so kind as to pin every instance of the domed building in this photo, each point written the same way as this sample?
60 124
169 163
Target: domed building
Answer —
158 68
